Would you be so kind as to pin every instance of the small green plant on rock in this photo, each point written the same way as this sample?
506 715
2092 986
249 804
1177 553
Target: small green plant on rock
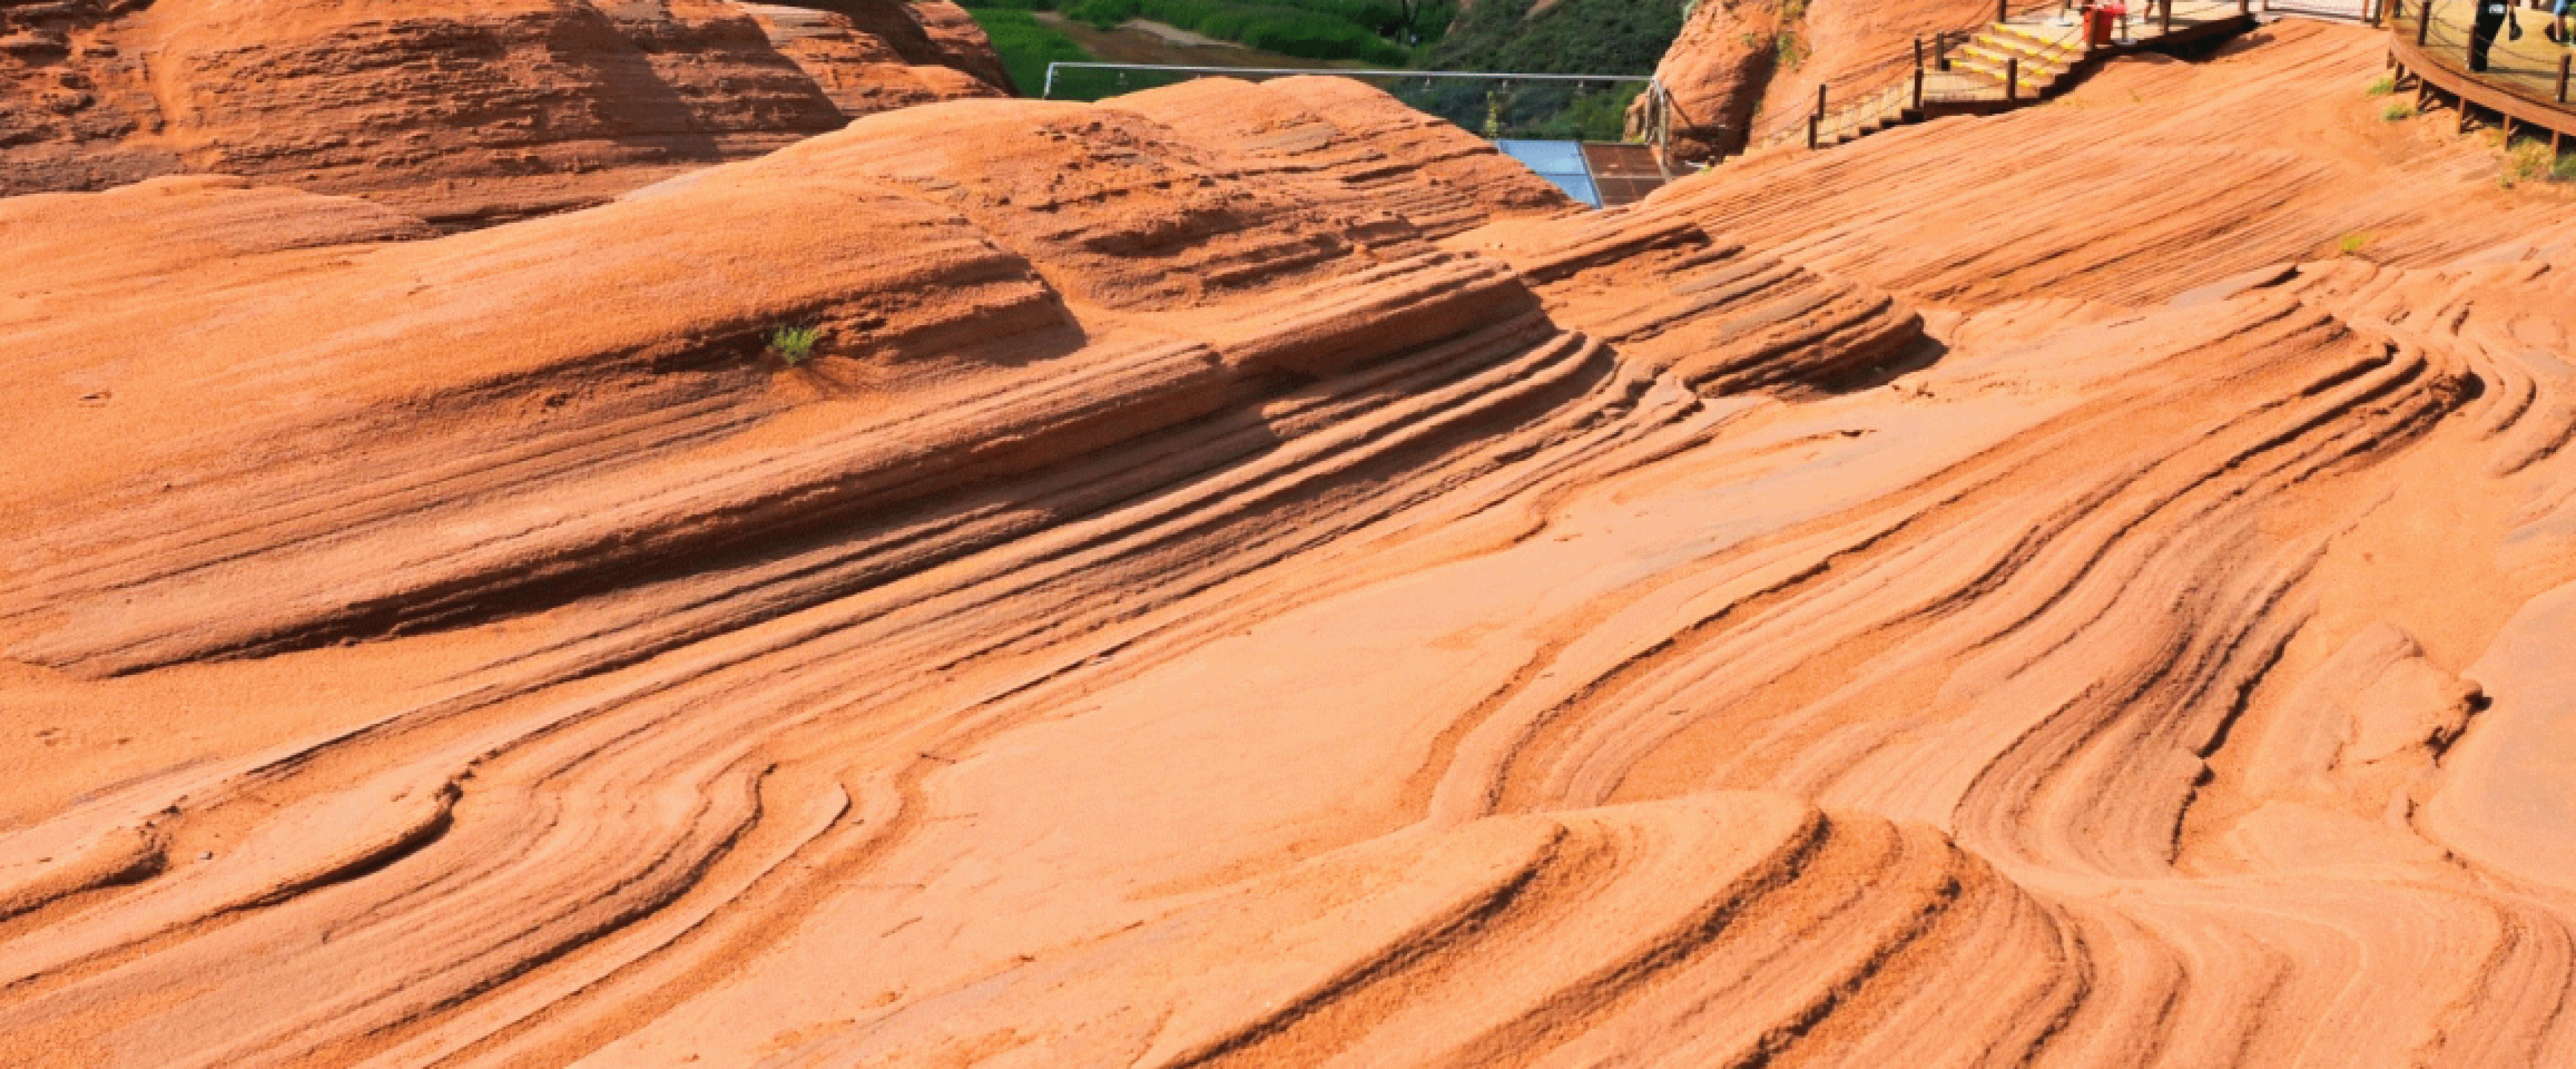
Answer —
794 345
2398 112
1791 51
2352 244
2529 161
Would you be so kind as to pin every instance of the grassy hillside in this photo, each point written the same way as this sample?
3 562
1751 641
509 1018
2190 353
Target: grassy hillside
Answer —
1026 45
1569 37
1384 32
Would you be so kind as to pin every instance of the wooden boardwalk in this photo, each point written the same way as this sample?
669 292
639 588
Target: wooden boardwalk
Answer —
2525 85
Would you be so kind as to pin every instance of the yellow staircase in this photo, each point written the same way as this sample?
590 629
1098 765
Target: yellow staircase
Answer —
2046 52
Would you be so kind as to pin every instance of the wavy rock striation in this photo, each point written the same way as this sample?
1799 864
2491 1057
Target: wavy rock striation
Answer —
1192 612
465 113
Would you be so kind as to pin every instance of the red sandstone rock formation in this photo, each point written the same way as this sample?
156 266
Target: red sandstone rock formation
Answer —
873 55
1715 76
1372 153
2069 615
1738 68
461 112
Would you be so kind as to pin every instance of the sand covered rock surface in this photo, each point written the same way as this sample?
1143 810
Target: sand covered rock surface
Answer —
464 112
1269 585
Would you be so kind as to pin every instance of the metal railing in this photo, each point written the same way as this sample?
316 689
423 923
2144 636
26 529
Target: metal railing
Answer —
1656 128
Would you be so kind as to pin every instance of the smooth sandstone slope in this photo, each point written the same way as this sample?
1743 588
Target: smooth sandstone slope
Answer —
1188 618
467 113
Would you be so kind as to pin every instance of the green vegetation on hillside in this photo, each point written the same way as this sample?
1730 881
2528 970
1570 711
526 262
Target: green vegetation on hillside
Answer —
1290 26
1026 45
1386 32
1569 37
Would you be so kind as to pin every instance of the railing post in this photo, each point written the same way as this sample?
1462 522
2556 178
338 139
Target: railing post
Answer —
2012 79
2563 60
2003 10
1659 117
2164 17
1918 72
2423 23
1814 123
1049 92
1820 100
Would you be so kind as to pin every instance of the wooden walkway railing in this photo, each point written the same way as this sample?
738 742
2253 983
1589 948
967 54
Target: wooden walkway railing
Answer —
1894 72
2525 82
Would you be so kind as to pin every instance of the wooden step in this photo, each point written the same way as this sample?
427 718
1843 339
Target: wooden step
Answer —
2031 80
2065 42
1993 58
2005 40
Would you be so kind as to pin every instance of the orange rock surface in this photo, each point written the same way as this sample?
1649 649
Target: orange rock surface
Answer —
2011 591
460 112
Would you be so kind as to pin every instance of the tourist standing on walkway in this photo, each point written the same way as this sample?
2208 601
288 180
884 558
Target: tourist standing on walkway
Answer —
2482 35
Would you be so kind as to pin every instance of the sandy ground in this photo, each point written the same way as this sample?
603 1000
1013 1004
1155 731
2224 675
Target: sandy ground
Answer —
1254 578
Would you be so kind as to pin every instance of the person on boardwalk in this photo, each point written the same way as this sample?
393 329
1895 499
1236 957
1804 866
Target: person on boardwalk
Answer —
2482 33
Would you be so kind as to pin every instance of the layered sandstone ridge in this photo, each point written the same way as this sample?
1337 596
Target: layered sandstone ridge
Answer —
1250 581
463 112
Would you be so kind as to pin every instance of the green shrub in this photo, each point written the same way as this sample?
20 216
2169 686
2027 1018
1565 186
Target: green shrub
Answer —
1568 37
1791 51
2528 161
1026 45
2382 86
794 345
2352 244
2399 112
1599 115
